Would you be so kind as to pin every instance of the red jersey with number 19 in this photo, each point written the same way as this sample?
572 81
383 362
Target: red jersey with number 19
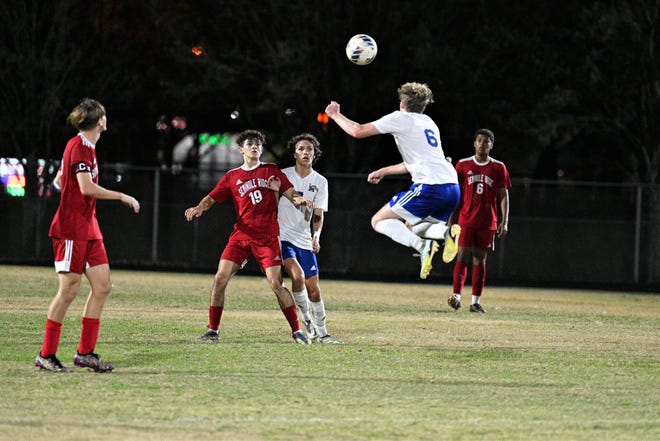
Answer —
255 203
75 218
479 183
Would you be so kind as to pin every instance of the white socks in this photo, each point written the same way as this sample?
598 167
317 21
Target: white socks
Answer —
318 316
302 302
398 232
430 231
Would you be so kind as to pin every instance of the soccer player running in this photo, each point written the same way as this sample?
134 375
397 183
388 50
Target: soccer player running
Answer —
78 243
256 231
484 185
434 195
299 243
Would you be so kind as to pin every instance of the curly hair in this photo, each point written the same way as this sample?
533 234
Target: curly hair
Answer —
250 134
415 96
291 145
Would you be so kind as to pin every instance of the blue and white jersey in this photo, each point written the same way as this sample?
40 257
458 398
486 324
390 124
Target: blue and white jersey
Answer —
418 139
295 222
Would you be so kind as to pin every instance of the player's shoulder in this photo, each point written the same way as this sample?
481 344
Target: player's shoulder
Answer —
497 162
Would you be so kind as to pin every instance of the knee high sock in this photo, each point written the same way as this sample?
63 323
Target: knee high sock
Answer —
291 314
460 274
303 303
215 314
478 279
398 232
430 231
318 316
51 338
89 334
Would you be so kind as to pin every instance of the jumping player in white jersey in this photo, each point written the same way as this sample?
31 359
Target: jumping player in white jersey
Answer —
434 195
299 243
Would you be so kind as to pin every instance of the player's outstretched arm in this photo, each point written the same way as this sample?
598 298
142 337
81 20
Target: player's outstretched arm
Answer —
349 126
396 169
198 210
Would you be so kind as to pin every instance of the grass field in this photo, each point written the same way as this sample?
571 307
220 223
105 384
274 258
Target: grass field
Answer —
540 365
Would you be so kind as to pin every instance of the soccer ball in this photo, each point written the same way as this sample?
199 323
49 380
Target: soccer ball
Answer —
361 49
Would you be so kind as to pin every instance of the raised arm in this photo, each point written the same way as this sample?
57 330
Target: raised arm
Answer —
349 126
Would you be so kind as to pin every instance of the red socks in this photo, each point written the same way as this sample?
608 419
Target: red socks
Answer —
215 314
51 338
89 334
460 274
478 279
291 314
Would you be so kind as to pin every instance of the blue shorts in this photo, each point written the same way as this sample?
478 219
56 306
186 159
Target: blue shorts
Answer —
305 258
425 202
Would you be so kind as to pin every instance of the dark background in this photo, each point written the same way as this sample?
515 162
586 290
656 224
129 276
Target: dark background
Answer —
571 90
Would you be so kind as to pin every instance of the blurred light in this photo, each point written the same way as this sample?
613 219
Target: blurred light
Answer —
289 111
197 50
179 122
322 118
203 138
235 114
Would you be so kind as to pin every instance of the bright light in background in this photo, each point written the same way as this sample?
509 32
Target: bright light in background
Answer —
198 50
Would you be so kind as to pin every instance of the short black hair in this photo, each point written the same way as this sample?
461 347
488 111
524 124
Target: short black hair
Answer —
488 133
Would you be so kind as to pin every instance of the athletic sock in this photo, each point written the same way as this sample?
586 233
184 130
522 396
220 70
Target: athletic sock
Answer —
475 299
89 334
318 316
51 338
291 314
460 274
215 314
398 232
430 231
478 279
303 303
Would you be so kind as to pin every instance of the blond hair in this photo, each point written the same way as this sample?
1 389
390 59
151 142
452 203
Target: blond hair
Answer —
415 96
86 115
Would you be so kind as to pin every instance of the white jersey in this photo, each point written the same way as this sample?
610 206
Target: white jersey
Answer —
418 139
295 222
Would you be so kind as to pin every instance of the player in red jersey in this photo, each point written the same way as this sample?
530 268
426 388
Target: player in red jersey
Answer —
485 186
77 240
253 190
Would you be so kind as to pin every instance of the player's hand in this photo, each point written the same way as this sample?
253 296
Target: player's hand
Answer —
193 212
375 177
130 201
316 246
332 109
299 200
274 183
502 229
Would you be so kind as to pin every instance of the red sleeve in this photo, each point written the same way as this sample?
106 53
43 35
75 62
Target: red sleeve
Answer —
80 159
221 192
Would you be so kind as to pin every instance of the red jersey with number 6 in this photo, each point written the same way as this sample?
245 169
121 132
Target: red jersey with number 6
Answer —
479 183
255 203
75 218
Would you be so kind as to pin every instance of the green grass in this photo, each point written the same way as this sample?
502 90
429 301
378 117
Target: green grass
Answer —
541 364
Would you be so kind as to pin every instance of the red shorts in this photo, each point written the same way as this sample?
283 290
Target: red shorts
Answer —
74 256
477 238
266 252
